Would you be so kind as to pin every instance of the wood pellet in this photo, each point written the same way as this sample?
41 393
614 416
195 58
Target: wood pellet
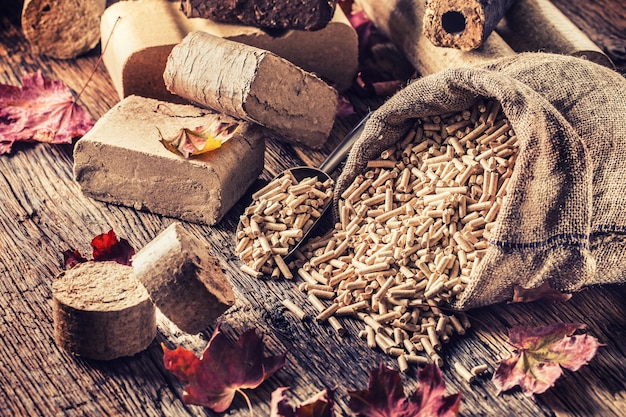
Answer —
281 213
411 231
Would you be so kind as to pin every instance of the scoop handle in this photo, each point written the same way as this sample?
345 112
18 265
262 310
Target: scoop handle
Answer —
341 151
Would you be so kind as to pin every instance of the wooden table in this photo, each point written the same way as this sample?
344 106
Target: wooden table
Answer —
43 213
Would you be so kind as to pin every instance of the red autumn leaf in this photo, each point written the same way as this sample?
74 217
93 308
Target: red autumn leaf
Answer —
41 110
347 6
320 405
543 292
541 353
224 369
382 69
107 247
344 107
379 88
385 396
72 258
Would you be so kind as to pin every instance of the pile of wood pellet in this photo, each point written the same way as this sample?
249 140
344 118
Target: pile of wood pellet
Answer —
412 229
281 213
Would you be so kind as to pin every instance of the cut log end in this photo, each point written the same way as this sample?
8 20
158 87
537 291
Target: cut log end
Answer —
62 29
100 312
454 23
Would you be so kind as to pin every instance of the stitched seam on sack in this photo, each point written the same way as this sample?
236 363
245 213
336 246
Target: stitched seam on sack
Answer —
609 228
564 239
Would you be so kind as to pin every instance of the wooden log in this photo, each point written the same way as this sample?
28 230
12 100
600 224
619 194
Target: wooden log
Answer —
269 14
462 24
62 28
254 85
402 20
101 312
538 25
183 280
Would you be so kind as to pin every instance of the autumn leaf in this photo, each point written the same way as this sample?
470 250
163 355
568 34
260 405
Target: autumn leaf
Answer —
543 292
224 369
382 69
429 397
320 405
191 142
72 258
106 247
385 396
41 110
344 107
347 6
541 353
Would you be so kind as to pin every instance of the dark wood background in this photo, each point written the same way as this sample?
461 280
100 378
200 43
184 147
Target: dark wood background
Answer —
42 213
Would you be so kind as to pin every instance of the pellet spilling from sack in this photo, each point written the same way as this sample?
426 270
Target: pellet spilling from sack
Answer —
411 230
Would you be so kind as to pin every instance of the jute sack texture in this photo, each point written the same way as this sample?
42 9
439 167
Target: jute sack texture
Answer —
564 218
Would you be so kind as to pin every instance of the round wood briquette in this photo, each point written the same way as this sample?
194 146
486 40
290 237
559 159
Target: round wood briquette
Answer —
101 312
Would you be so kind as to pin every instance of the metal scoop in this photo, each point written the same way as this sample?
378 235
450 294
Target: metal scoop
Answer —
322 173
333 160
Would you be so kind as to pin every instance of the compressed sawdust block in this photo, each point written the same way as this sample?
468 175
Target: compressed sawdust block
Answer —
252 84
121 160
271 14
101 312
62 28
185 282
462 24
137 52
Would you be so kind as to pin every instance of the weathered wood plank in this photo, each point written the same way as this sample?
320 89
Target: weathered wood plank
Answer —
43 213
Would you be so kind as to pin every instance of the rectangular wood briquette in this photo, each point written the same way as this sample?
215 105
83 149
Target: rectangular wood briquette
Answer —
121 161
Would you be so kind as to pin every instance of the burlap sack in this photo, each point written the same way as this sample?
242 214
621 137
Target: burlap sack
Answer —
564 221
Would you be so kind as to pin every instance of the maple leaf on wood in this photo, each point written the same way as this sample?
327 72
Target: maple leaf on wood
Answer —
41 110
106 247
541 353
72 258
543 292
344 107
385 396
319 405
224 369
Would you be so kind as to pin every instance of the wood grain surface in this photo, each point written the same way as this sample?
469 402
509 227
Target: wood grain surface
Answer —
42 213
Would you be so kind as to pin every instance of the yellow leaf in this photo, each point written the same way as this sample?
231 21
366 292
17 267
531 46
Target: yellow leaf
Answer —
190 142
